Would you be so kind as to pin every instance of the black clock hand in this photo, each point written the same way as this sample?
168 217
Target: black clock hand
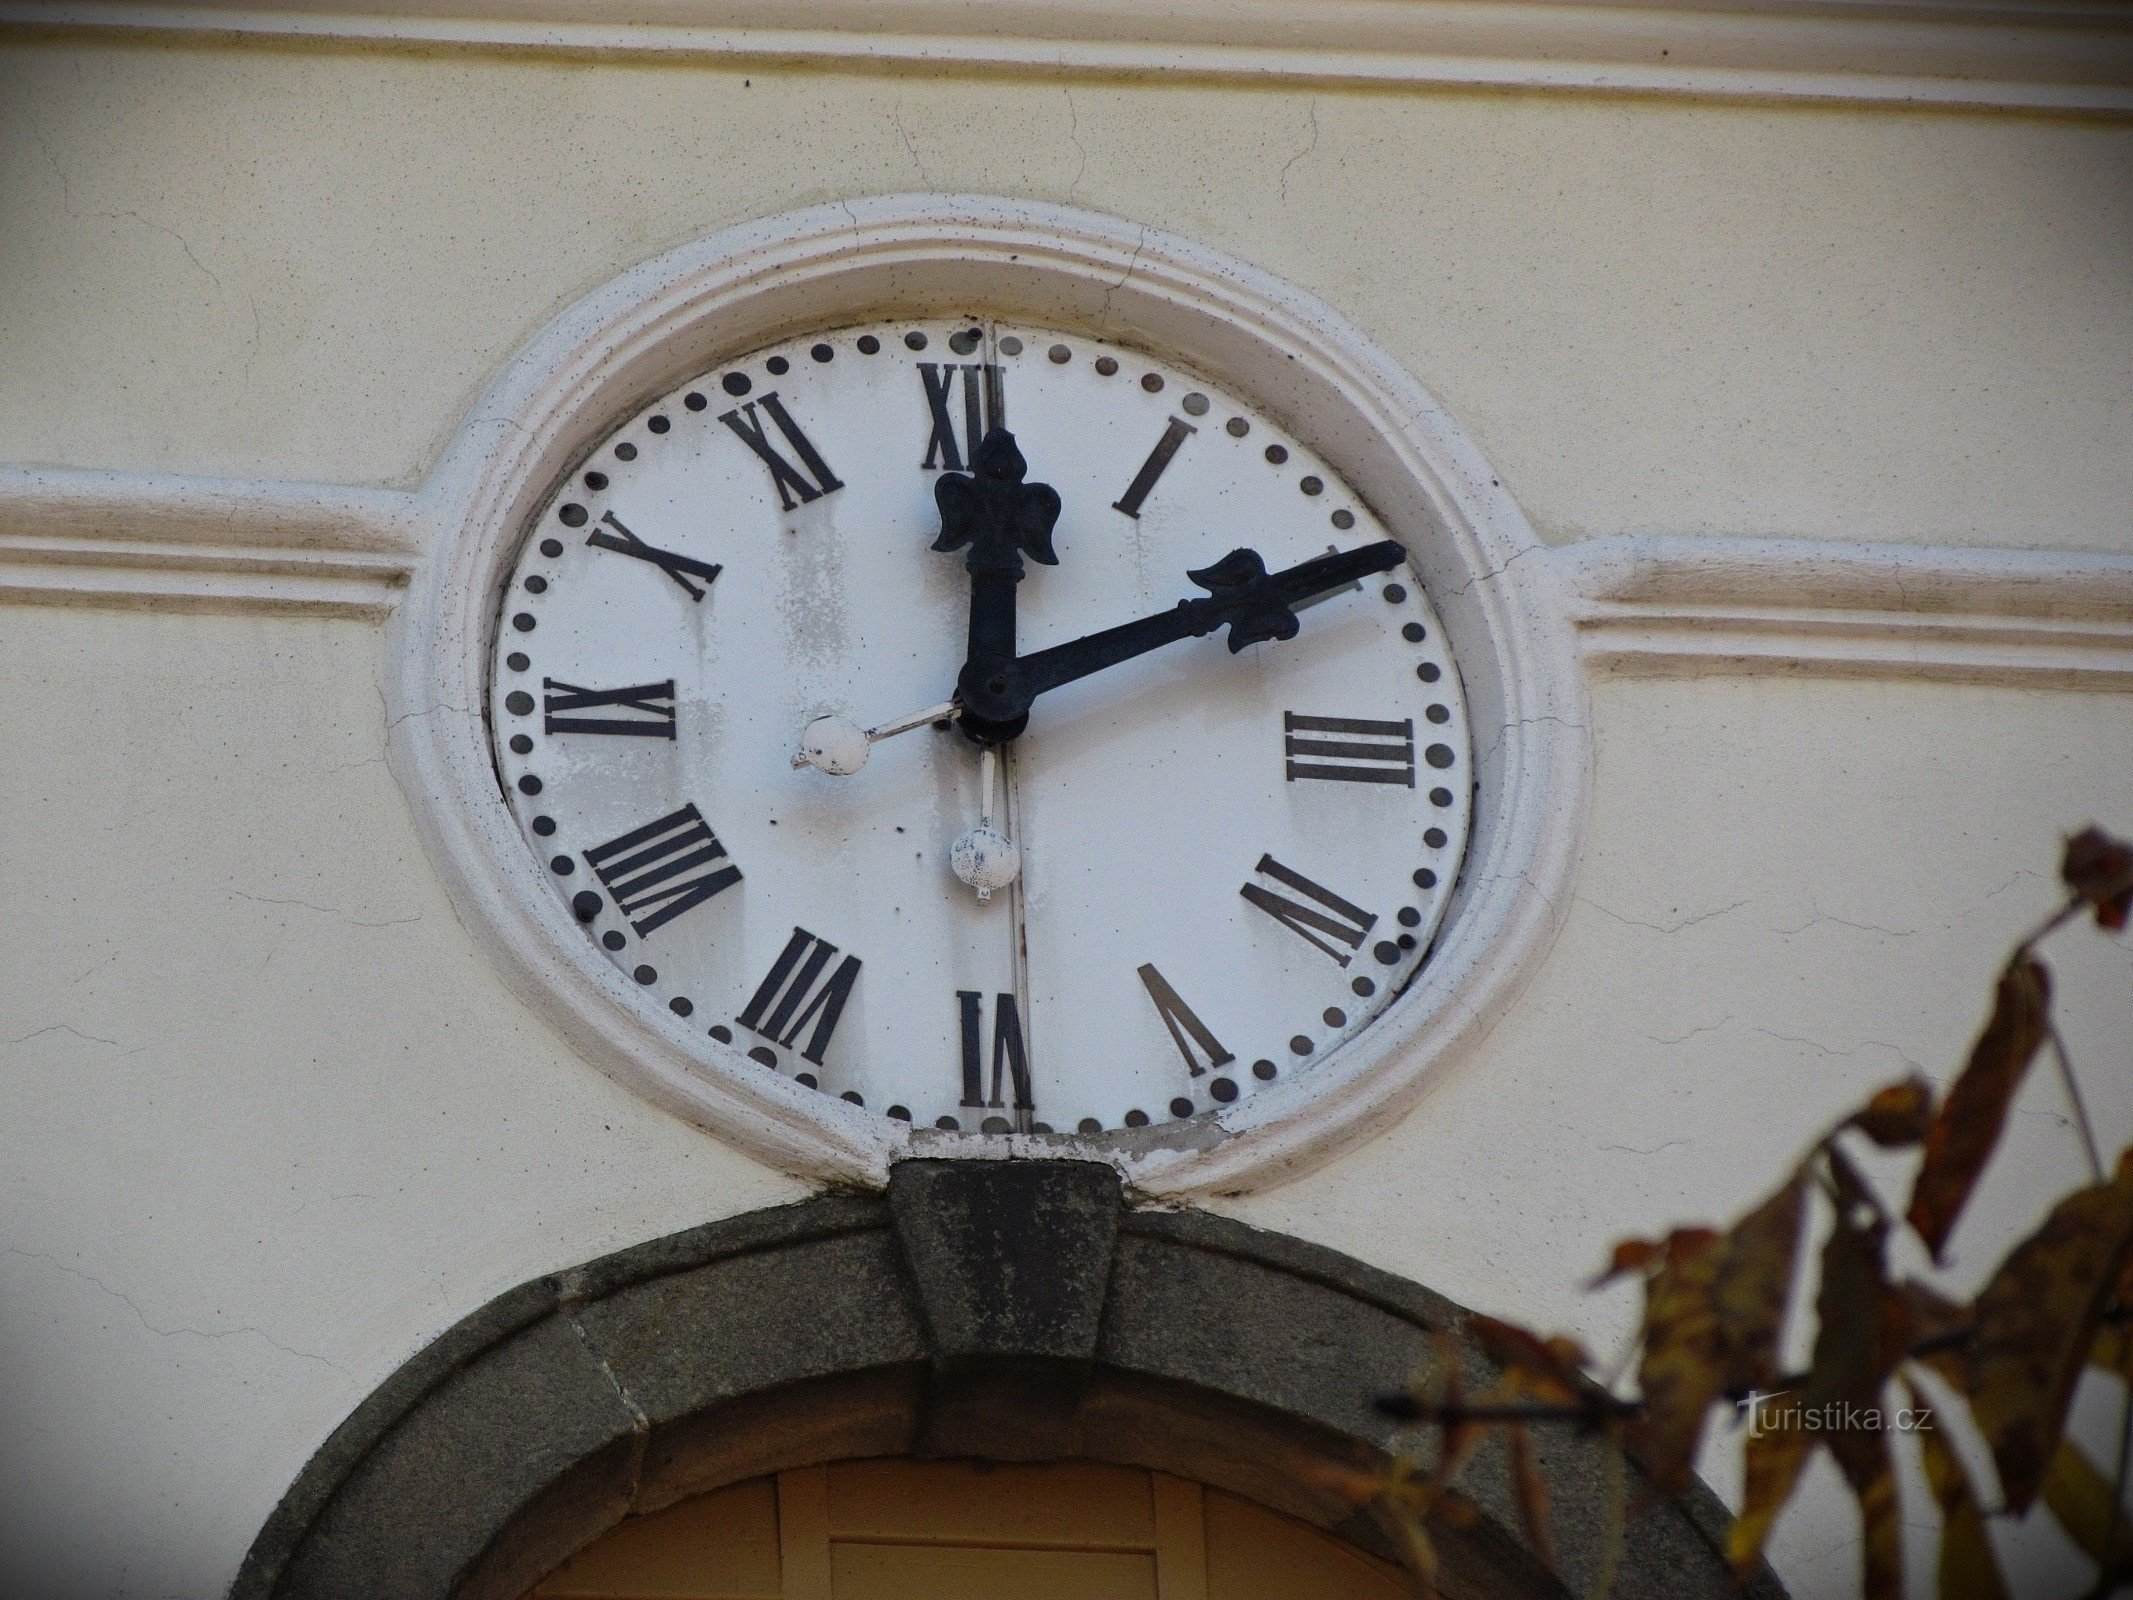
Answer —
1001 519
1242 596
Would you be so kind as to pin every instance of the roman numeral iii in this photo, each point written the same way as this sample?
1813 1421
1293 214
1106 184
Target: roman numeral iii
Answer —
1009 1050
674 565
1338 924
652 705
816 482
800 989
984 408
1187 1031
1363 752
662 869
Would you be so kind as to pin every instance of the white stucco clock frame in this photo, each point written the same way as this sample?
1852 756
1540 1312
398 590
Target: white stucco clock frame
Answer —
1321 377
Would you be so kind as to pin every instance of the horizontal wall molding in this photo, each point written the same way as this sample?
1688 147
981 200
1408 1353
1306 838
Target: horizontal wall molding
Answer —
1642 603
167 542
1698 605
2067 57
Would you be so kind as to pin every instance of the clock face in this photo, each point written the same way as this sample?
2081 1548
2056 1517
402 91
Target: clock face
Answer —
1230 863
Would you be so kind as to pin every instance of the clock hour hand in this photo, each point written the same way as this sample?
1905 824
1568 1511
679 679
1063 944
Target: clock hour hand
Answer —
1243 596
998 519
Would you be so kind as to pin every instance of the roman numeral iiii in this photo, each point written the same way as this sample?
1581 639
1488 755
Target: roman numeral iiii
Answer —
1337 924
662 869
801 988
814 483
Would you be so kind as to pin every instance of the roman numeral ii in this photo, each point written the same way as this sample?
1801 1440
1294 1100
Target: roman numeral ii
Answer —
801 988
646 709
662 869
1338 924
816 482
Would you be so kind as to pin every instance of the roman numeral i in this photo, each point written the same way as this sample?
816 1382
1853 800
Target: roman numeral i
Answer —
816 482
652 703
800 989
984 409
1338 924
662 869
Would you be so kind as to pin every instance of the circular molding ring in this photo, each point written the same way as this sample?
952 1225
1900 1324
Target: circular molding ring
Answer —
680 314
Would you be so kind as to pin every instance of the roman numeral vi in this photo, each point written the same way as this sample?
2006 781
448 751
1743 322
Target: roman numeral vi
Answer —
796 992
662 869
1346 925
815 483
653 704
1009 1050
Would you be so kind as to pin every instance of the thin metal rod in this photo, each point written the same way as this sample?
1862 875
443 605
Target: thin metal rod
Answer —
917 719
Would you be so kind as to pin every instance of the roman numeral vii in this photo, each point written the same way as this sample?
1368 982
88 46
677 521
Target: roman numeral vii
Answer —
801 988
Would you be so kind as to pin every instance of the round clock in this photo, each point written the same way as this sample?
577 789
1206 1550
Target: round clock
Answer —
993 727
941 675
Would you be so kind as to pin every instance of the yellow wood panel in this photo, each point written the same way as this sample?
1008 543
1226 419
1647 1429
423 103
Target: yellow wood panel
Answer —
947 1572
718 1546
1074 1505
803 1533
1257 1554
1180 1539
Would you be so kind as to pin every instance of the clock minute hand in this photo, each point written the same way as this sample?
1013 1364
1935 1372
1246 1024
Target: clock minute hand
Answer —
1242 596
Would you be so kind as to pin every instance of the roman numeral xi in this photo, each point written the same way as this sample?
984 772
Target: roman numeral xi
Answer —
644 709
1357 751
662 869
789 480
801 988
1333 925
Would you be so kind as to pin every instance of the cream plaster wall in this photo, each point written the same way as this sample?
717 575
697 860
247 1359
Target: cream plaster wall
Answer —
268 1120
1654 316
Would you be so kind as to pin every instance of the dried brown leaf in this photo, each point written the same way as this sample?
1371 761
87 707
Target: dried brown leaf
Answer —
1550 1368
1968 1125
1898 1116
1753 1282
2078 1494
1532 1494
1969 1569
1942 1327
2036 1323
1772 1460
2099 869
1630 1256
1881 1573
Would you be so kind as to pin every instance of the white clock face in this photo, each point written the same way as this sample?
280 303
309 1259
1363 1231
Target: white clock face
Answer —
1230 863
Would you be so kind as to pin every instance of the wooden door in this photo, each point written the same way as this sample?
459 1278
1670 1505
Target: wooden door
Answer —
958 1530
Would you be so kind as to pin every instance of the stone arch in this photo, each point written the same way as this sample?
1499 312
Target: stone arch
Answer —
1015 1310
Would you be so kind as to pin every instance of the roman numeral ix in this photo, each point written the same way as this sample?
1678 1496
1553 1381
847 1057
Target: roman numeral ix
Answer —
662 869
984 408
801 989
675 566
817 482
653 704
1368 752
1009 1050
1338 924
1187 1031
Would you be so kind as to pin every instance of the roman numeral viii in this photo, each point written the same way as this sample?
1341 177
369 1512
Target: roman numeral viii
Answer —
1009 1050
1338 924
1187 1031
662 869
813 484
984 408
800 989
1363 752
651 703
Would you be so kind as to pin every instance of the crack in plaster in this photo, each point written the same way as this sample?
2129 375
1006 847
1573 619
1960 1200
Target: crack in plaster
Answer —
331 911
1660 927
1310 106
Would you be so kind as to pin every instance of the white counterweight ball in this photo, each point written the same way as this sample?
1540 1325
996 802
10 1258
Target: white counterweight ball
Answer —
985 860
833 745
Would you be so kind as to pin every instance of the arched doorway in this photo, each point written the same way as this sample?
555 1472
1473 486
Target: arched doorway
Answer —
967 1530
1007 1311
